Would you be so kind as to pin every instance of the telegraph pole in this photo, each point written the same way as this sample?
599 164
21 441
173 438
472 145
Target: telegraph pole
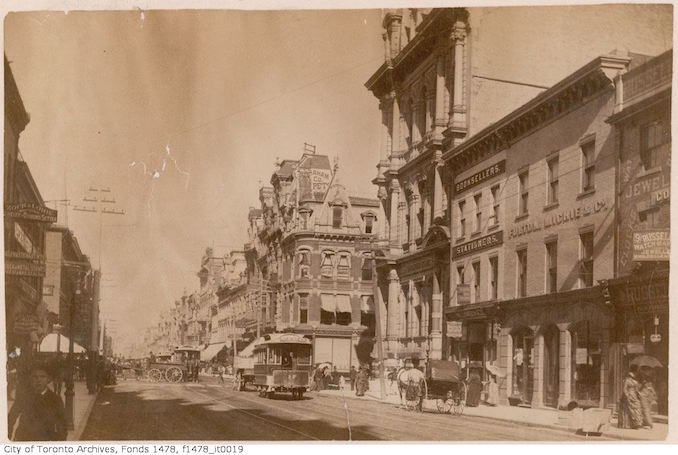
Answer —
377 329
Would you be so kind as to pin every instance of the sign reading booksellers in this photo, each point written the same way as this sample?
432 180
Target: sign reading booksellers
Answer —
651 245
479 244
479 177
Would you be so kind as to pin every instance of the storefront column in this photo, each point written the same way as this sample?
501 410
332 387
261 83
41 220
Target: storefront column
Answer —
436 318
392 311
505 349
604 367
565 362
538 395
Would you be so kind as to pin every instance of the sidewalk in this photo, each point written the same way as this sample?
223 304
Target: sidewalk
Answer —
538 417
83 403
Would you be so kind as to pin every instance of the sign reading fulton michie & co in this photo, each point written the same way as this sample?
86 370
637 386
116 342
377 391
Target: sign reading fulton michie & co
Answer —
479 244
651 245
480 177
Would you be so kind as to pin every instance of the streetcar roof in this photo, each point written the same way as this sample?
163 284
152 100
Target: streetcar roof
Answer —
282 338
187 348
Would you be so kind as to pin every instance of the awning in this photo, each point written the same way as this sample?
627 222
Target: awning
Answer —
367 304
336 303
343 303
49 344
327 302
211 351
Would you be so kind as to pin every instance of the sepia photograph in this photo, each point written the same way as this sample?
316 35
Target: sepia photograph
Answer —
442 224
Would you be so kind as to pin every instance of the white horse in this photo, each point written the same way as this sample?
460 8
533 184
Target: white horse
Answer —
411 377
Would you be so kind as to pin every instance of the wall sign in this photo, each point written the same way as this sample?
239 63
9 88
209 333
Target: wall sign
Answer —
652 245
479 177
479 244
557 218
32 212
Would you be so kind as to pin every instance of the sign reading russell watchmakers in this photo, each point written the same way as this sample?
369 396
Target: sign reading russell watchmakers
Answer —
480 177
652 245
479 244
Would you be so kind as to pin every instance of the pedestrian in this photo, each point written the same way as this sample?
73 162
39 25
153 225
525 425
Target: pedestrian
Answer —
327 378
648 396
362 382
151 357
475 386
630 409
318 378
221 370
353 375
493 391
196 370
39 411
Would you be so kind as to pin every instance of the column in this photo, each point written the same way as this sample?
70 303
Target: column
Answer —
395 132
411 234
383 311
565 362
382 166
538 393
436 318
392 311
604 368
426 202
439 121
505 357
438 208
458 116
395 200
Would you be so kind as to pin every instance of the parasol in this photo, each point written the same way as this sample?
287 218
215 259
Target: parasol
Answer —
495 370
646 361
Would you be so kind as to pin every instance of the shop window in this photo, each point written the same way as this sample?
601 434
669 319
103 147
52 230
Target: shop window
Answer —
335 309
494 216
523 366
494 277
327 265
304 258
303 308
476 281
588 165
462 220
366 269
586 363
477 200
586 259
652 137
521 256
552 266
337 217
344 267
553 181
523 179
460 274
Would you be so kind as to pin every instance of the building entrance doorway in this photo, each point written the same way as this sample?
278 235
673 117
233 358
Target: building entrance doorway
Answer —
523 364
551 366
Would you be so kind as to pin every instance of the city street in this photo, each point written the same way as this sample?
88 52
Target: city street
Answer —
208 411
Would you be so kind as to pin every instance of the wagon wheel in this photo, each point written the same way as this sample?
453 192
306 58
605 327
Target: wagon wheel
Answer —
459 400
412 397
173 374
444 405
155 375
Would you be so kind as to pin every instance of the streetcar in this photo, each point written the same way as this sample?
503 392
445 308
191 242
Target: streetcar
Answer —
282 363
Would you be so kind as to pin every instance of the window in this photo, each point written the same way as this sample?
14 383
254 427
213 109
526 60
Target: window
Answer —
344 267
588 166
462 220
303 221
369 223
524 193
494 277
494 216
652 137
521 256
337 217
651 218
304 259
478 220
367 318
303 308
553 181
366 270
552 266
586 263
460 274
476 281
326 266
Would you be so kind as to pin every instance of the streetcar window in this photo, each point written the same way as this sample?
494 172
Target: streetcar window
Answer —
303 355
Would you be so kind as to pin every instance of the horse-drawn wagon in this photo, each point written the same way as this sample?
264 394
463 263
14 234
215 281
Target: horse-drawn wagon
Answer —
175 366
438 380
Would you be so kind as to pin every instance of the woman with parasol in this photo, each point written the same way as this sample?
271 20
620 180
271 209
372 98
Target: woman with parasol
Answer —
648 397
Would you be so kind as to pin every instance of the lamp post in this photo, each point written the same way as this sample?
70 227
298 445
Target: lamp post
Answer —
69 378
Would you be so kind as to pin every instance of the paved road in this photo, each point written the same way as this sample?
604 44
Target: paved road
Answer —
148 411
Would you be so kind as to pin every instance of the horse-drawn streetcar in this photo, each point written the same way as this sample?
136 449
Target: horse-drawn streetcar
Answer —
282 363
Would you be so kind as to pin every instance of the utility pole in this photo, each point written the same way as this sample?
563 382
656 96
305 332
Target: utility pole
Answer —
260 302
377 316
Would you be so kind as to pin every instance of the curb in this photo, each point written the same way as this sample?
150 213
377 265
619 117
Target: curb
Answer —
80 428
512 421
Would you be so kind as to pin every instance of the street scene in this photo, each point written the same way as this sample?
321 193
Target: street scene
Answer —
414 224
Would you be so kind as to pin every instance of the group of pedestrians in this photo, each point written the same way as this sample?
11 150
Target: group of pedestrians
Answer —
638 397
323 377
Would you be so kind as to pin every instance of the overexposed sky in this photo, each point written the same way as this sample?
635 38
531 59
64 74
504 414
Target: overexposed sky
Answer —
217 95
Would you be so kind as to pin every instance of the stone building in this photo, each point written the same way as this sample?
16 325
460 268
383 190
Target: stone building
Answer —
639 292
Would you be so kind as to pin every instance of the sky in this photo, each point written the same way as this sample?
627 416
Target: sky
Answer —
217 96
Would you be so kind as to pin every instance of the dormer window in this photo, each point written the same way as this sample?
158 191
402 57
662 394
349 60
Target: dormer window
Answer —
304 218
369 218
337 217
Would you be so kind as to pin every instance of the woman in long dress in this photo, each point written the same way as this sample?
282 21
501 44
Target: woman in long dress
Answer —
648 397
475 386
493 391
630 410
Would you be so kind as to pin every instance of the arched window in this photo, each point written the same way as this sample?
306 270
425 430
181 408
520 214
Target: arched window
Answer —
327 264
344 266
304 264
366 269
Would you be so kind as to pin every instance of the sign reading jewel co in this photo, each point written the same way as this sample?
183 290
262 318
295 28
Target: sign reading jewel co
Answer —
479 244
479 177
651 245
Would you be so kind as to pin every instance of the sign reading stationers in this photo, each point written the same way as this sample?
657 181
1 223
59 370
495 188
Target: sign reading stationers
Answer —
479 177
479 244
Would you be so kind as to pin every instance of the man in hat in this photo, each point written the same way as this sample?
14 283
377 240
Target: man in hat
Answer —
39 411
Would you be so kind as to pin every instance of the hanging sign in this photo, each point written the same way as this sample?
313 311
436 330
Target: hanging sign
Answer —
655 338
454 329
